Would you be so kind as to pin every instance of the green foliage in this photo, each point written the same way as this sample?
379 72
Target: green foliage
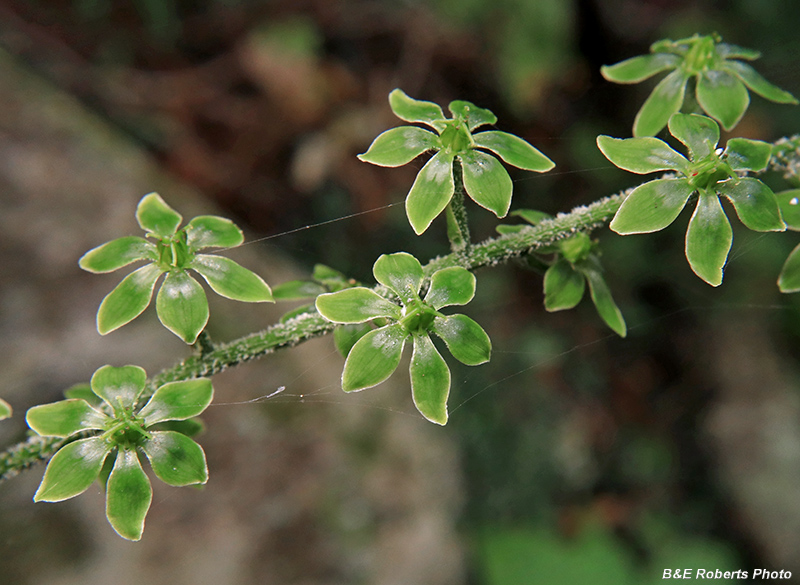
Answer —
485 179
721 81
376 355
708 172
121 434
181 303
5 409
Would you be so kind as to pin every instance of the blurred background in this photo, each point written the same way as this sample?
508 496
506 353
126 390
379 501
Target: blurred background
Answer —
573 457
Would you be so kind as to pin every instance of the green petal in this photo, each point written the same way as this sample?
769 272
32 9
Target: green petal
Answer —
355 305
747 155
176 459
723 96
5 410
399 146
700 134
182 306
117 253
789 203
563 286
206 231
729 51
127 301
789 280
431 192
297 289
178 401
410 110
639 68
708 239
651 206
119 387
758 84
471 114
128 496
64 418
72 469
755 204
230 280
450 286
641 155
373 358
601 296
401 272
487 182
346 336
465 339
665 100
430 380
513 150
154 215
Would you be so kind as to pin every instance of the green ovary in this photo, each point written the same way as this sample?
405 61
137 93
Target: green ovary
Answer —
456 137
418 317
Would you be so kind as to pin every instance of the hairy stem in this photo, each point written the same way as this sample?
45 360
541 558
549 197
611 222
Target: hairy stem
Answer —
456 213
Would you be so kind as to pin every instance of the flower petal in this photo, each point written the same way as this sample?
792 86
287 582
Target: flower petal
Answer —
64 418
206 231
119 387
789 202
178 401
410 110
755 204
789 280
72 469
758 84
471 114
5 409
182 306
450 286
723 96
399 146
176 459
513 150
128 495
373 358
700 134
639 68
231 280
708 239
431 192
487 182
430 380
154 215
601 296
730 51
465 339
401 272
747 155
355 305
117 253
641 155
128 300
665 100
563 286
651 206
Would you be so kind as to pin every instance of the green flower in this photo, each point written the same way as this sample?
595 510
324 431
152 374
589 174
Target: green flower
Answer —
485 179
181 303
5 409
376 355
125 434
709 172
721 81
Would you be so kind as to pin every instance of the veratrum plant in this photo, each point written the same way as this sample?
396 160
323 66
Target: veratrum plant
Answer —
377 354
181 303
484 178
721 81
709 172
124 435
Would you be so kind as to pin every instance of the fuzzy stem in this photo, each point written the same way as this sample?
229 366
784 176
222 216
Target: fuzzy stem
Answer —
456 213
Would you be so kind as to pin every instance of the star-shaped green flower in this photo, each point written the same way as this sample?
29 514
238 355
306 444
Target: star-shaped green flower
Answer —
181 303
485 179
709 172
377 354
124 433
721 81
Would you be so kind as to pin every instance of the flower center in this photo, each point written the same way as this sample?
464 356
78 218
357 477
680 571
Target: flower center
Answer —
174 252
418 317
702 55
708 171
456 136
